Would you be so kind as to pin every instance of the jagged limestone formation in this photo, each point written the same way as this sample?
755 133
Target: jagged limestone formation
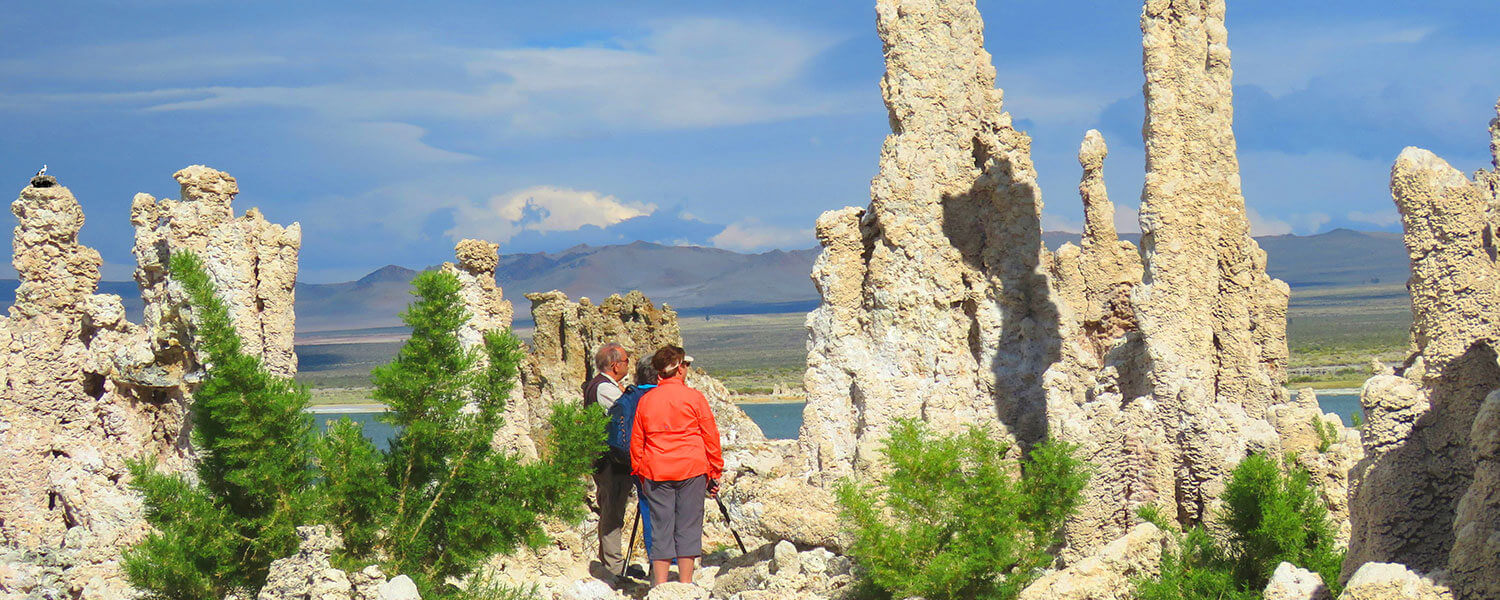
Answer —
932 303
1425 493
1161 364
253 262
568 334
1213 322
1107 574
85 389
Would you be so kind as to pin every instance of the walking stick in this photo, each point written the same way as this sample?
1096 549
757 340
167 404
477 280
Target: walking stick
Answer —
725 511
630 549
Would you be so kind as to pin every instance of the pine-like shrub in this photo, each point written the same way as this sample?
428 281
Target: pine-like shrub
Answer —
441 500
1271 514
954 518
221 533
1275 514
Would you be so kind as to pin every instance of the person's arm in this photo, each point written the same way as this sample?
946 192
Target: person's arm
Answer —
710 431
637 441
608 393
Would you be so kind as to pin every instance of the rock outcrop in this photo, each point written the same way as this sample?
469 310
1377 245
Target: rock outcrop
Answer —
939 302
1389 581
933 307
1107 574
86 390
1291 582
1425 493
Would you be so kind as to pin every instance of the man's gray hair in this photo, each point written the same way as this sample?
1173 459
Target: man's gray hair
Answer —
608 355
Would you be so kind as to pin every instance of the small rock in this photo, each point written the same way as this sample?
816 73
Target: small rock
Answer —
1390 581
784 559
1291 582
677 591
815 561
400 587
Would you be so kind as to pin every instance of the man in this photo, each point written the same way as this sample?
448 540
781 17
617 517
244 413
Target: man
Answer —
612 478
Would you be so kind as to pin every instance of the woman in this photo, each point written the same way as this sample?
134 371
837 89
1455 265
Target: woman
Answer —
674 449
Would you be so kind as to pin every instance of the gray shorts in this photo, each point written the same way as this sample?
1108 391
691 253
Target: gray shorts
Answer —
676 517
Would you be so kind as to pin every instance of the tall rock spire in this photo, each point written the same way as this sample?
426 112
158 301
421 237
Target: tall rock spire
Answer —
932 304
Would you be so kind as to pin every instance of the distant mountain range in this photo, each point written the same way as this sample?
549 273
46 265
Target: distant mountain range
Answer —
698 280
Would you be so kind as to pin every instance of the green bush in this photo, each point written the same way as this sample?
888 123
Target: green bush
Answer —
254 479
441 500
952 519
1271 514
1328 433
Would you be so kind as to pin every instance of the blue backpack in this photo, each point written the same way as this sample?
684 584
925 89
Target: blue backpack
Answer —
622 418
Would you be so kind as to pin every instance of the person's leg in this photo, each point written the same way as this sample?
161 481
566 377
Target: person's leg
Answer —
645 511
659 499
688 525
613 492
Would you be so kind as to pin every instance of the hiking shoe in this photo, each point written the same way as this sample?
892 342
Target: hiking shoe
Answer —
635 571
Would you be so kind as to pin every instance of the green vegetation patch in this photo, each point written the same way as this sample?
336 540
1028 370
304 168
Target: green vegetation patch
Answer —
954 518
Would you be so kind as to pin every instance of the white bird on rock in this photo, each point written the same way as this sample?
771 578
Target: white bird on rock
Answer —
42 172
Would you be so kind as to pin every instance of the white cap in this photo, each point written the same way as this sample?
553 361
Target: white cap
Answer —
687 359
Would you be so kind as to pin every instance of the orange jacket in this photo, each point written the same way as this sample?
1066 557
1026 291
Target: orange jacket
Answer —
674 436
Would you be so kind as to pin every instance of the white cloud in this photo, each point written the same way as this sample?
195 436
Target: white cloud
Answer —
677 74
1127 218
1382 218
1296 223
750 235
1260 225
541 208
1056 222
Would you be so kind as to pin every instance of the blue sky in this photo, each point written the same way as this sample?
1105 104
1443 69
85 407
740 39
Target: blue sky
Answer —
390 129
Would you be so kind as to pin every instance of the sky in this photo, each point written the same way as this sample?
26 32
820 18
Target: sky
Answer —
390 130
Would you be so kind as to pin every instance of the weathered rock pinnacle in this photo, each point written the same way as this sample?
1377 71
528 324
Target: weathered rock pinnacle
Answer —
932 303
1426 491
87 390
1213 322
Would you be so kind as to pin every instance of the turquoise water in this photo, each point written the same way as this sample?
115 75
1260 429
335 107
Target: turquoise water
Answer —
378 432
778 421
1343 405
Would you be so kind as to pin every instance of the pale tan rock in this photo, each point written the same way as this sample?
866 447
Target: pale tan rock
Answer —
1297 425
1474 562
1424 493
673 590
933 292
568 334
1107 574
1387 581
1291 582
86 389
308 574
1212 320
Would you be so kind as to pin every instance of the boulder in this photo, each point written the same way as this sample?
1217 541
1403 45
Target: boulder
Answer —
1105 575
1388 581
1291 582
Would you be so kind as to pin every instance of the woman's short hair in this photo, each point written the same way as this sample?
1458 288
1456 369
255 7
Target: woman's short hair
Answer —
667 360
645 374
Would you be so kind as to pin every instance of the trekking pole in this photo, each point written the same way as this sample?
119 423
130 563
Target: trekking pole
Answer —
630 549
725 511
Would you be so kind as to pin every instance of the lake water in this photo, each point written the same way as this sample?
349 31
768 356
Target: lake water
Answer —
778 421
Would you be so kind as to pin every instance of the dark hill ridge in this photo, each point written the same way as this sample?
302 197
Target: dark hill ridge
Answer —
699 280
